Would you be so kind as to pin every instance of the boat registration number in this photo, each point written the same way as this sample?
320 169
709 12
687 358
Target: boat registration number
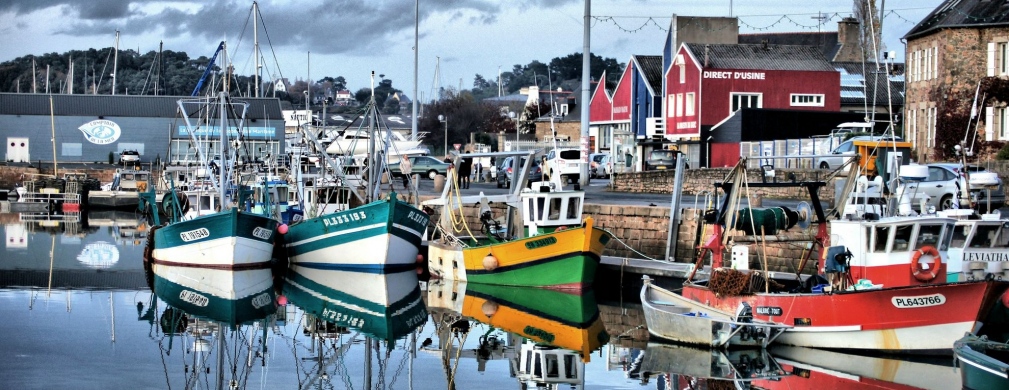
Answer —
345 218
919 301
194 298
262 300
193 235
262 234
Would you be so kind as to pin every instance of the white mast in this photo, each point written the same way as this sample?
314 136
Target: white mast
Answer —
115 62
255 40
416 49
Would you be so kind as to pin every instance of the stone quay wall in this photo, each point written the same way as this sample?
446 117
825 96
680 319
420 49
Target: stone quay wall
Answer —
640 232
700 181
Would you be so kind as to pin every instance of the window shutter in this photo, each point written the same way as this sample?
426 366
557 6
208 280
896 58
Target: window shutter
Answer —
989 120
991 58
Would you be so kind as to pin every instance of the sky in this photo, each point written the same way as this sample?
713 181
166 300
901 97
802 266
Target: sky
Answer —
351 38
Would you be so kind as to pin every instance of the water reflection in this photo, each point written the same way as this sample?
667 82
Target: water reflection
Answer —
682 366
546 335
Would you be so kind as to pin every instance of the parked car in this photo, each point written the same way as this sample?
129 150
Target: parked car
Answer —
425 166
662 159
600 165
944 183
129 156
848 146
505 174
566 162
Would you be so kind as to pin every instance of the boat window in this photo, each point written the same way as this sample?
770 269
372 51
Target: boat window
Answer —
551 365
537 367
946 237
984 236
128 176
902 238
882 236
204 202
928 235
959 235
573 208
569 366
1003 237
868 238
555 209
531 208
282 197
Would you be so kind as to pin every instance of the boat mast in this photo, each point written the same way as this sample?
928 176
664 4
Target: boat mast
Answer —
255 40
372 160
115 62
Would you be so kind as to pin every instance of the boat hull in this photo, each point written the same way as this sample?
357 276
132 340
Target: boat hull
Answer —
387 306
232 297
113 199
983 363
565 260
917 319
382 236
229 239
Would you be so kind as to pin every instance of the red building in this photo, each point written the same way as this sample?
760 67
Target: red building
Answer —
707 84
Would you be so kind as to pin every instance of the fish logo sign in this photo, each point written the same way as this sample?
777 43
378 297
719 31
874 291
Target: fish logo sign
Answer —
101 132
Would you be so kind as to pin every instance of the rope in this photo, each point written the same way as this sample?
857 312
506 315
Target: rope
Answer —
628 246
462 218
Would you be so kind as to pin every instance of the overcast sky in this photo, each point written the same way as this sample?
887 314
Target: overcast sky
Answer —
351 38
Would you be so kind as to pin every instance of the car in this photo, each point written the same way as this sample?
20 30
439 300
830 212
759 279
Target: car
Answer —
425 166
944 183
662 159
129 156
565 162
600 165
847 147
504 172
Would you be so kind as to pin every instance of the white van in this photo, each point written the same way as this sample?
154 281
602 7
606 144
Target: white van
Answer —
566 162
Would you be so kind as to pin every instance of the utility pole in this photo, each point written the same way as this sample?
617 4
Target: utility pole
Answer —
583 176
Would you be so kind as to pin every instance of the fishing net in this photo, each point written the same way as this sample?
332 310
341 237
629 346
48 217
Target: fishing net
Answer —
730 282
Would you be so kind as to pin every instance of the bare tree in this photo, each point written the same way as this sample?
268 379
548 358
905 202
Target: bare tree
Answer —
869 24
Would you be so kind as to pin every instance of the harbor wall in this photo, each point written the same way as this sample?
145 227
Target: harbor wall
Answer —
640 232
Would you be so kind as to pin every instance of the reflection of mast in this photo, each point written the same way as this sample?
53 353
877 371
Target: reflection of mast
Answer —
52 258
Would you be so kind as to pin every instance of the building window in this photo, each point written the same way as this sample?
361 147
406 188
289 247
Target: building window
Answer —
1000 123
930 124
671 105
679 104
912 124
745 100
935 62
807 100
1001 56
72 149
689 103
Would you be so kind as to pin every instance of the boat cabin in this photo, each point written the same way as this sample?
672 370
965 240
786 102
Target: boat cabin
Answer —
549 367
979 248
546 208
131 180
892 251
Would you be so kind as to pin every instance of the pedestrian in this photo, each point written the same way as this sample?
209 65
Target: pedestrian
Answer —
477 170
406 169
465 169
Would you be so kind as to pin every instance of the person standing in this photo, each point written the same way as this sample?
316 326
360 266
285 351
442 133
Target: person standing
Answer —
406 169
465 169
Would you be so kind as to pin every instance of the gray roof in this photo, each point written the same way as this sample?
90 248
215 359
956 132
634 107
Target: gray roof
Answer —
826 42
962 13
763 57
143 106
858 88
651 68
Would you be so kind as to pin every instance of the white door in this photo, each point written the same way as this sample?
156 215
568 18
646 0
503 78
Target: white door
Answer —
17 150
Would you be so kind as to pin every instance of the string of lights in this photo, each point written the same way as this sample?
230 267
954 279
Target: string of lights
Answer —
657 22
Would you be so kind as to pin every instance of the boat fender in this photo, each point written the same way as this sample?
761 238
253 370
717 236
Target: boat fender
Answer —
918 270
1005 299
490 262
489 308
560 228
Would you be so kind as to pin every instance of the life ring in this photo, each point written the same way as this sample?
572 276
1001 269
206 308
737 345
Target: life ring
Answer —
561 228
918 271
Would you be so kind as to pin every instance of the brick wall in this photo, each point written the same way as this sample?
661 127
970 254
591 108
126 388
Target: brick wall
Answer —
697 181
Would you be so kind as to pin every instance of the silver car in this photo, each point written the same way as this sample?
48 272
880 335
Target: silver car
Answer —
944 186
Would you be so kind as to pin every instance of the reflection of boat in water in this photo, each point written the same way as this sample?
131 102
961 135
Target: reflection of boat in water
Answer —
383 306
821 369
562 329
128 228
984 363
212 310
688 365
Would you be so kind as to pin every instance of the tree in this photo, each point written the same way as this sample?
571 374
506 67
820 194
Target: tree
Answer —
868 24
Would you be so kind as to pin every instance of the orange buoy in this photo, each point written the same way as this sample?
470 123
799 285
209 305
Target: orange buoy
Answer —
490 262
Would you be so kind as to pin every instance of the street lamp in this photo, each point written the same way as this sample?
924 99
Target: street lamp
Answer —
444 119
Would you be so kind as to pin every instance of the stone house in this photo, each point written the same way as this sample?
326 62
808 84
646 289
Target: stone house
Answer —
948 53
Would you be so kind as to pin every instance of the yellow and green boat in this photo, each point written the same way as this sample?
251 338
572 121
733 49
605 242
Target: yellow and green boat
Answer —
555 248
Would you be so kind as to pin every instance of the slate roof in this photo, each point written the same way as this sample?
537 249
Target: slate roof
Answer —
144 106
826 41
962 13
651 68
857 88
759 56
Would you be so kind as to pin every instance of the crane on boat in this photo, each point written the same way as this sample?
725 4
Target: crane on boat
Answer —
206 72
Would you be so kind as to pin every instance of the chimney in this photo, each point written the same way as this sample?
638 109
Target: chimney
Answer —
763 44
705 56
848 38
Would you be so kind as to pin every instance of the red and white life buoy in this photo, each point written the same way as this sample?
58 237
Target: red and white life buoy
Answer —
918 271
